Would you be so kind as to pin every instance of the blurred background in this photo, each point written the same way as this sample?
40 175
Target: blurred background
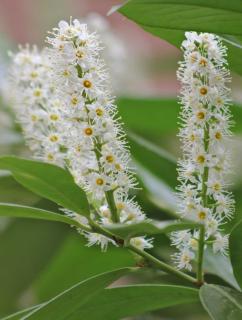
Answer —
40 259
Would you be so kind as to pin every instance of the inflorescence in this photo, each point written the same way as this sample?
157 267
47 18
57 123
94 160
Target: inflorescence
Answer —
204 133
69 118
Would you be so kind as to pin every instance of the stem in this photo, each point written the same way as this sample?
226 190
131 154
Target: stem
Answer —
99 229
162 265
201 241
112 206
108 194
201 244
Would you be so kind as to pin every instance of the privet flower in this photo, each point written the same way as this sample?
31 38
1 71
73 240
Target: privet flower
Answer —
76 125
205 129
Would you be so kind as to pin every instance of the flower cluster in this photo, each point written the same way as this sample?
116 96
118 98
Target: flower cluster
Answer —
35 103
69 118
205 129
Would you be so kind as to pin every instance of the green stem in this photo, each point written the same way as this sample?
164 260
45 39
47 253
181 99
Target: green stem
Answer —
162 265
201 241
201 244
112 206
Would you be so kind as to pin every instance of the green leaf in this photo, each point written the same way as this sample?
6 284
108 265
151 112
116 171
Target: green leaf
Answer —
200 15
71 303
11 191
235 246
162 112
73 263
156 169
220 266
157 160
12 210
169 19
221 303
121 302
26 248
149 228
18 315
157 191
48 181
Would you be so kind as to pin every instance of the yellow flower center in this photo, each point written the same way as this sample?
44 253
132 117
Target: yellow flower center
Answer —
203 91
78 149
54 117
200 115
54 138
218 135
66 73
202 215
118 166
74 101
79 54
87 84
99 112
33 74
37 92
192 137
219 101
99 181
120 205
200 159
50 157
34 118
203 62
88 131
216 186
61 47
110 158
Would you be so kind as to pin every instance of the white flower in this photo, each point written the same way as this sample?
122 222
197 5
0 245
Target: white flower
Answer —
183 259
98 239
141 243
221 244
68 115
205 128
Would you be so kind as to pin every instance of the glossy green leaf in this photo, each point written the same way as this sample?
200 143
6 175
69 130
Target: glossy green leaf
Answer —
220 266
149 228
163 112
157 191
18 315
11 191
201 15
71 303
74 262
235 246
121 302
17 211
221 303
169 19
157 160
26 247
48 181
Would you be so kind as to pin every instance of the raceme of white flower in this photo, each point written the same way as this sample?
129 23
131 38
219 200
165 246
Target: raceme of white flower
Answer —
205 131
69 118
34 101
